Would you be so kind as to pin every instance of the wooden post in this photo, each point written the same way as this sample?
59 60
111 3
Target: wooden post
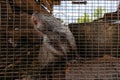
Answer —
31 6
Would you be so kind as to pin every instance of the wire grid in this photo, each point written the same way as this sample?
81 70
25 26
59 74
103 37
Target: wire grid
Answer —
22 47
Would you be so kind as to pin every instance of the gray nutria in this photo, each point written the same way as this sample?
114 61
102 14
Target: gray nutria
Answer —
58 41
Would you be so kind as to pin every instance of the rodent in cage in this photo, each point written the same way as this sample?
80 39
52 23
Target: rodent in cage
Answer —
58 39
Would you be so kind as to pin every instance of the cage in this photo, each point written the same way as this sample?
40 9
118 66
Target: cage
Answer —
59 40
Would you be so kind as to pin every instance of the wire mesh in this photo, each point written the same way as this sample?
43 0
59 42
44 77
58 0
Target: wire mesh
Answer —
59 40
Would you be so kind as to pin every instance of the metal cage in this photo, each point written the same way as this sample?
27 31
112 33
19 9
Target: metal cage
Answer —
59 40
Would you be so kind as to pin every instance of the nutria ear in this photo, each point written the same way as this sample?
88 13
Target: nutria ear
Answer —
35 20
